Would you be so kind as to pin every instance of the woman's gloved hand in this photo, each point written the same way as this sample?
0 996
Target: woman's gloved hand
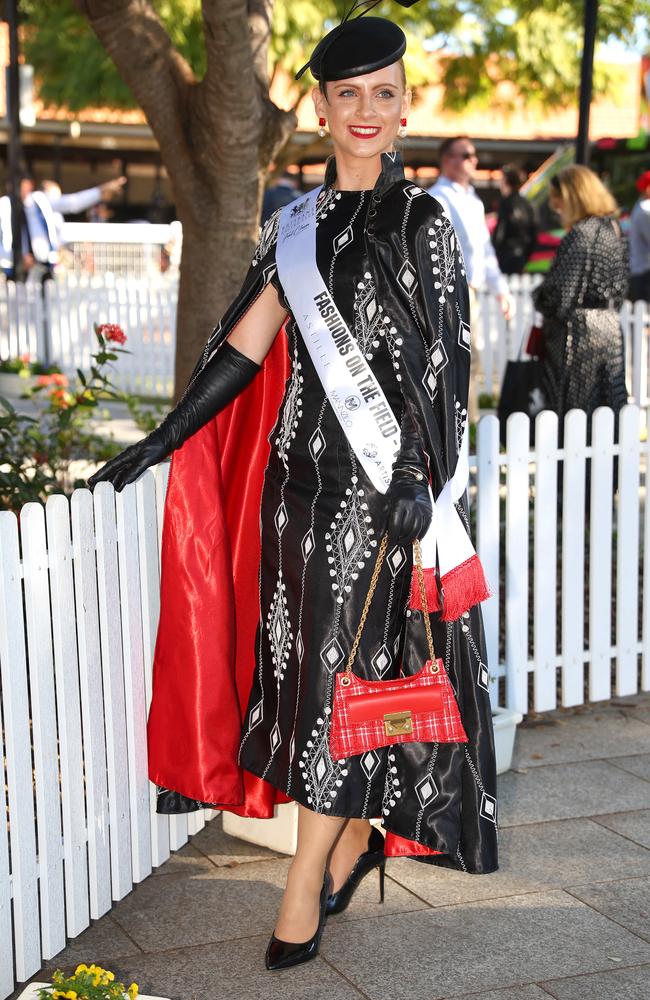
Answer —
408 501
213 388
409 507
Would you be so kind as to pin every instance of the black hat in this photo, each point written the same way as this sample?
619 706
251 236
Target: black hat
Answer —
358 45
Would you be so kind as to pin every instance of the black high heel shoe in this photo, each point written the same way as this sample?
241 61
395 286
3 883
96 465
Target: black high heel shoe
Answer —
372 858
284 954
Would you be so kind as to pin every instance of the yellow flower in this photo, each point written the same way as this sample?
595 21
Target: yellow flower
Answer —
132 991
109 977
80 968
71 995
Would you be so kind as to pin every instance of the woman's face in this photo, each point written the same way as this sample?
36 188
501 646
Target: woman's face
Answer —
363 112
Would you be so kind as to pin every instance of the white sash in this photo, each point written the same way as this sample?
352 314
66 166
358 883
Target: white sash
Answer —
354 393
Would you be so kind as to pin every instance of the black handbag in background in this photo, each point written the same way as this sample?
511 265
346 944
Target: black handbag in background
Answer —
521 392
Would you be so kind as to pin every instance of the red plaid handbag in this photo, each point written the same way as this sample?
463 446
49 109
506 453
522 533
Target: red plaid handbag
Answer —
421 708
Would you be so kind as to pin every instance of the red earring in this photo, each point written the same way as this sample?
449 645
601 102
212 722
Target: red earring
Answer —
402 128
322 131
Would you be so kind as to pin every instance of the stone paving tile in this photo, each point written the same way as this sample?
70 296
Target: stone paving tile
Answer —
635 825
229 903
584 734
533 857
478 947
560 791
636 707
639 765
619 984
223 850
627 902
514 993
103 937
232 970
187 861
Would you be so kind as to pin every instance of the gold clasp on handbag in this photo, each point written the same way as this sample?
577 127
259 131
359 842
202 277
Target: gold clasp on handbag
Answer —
398 723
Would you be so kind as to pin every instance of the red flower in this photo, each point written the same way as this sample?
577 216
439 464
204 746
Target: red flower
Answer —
111 331
57 378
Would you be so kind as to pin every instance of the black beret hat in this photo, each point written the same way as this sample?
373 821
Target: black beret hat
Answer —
358 46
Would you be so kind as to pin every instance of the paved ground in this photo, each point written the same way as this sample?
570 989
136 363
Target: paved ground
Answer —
567 916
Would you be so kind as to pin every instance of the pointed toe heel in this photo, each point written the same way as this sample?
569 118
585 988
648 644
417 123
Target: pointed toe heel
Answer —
372 858
285 954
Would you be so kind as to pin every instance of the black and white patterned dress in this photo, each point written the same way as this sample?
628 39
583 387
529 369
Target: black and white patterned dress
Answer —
321 520
393 266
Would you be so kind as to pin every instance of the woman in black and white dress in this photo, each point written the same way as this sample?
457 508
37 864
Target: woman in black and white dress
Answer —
389 260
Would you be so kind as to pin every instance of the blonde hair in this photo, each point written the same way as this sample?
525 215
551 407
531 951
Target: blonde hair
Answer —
582 194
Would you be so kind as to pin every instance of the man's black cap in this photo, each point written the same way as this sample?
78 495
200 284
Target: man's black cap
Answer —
358 46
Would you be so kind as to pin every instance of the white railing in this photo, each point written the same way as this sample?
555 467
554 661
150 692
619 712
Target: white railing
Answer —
130 249
62 317
56 324
79 603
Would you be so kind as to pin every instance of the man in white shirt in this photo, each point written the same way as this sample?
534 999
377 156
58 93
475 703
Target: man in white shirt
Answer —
454 191
41 214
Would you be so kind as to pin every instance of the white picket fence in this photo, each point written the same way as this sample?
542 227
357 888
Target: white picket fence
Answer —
79 604
79 601
55 323
64 313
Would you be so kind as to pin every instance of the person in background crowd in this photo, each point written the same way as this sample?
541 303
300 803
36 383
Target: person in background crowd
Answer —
41 220
580 298
639 237
79 201
282 192
454 191
516 231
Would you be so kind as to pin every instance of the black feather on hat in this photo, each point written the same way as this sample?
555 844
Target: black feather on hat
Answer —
358 45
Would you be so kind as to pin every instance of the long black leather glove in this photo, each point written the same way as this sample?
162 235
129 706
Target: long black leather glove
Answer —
408 500
217 385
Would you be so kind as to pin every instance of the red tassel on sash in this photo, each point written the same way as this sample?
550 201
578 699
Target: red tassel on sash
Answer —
462 587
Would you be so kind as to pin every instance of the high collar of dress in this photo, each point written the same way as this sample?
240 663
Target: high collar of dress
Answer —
392 170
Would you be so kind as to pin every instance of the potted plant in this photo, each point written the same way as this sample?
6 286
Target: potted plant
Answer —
18 375
89 982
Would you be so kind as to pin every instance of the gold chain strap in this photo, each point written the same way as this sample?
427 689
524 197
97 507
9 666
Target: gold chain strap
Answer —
369 596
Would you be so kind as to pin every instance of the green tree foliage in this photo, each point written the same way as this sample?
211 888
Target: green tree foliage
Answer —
536 46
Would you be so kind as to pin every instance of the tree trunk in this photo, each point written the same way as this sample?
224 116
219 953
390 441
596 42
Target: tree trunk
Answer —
217 137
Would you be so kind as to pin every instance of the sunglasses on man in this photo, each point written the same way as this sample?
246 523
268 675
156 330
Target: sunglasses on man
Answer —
466 155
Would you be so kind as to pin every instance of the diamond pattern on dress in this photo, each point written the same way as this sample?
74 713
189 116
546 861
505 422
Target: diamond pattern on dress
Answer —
348 542
343 239
300 648
308 545
438 356
488 807
281 518
407 277
256 714
429 382
276 738
332 654
381 661
370 762
483 676
316 444
412 191
396 559
426 790
465 336
278 626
